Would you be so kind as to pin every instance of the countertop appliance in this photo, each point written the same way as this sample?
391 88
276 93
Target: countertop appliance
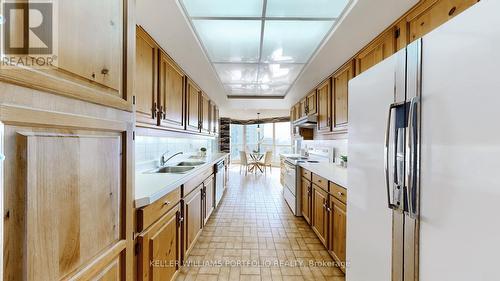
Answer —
220 175
424 150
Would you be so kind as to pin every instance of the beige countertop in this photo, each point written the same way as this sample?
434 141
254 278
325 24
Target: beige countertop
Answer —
151 187
329 171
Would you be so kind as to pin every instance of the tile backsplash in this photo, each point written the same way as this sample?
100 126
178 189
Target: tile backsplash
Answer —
340 146
149 149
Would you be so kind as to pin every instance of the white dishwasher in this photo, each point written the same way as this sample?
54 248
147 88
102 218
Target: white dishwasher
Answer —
220 175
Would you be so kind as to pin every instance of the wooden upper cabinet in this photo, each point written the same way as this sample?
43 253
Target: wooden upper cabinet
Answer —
161 242
341 95
205 113
193 107
303 108
432 13
337 231
214 127
312 103
320 213
90 40
383 47
324 106
146 78
171 93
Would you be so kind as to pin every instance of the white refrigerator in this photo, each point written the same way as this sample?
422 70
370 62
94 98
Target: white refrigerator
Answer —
424 157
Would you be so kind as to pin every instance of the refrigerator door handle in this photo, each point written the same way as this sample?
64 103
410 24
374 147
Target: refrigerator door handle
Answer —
412 159
390 204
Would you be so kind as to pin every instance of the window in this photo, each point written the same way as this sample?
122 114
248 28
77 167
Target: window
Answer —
275 137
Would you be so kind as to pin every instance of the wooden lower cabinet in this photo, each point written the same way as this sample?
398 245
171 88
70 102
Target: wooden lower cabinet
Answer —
110 273
320 213
208 198
337 231
306 200
159 254
192 218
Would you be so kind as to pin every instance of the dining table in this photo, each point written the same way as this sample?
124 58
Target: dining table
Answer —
254 164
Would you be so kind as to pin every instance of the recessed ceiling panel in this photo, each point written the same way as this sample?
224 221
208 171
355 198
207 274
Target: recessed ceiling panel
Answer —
256 89
224 8
292 41
237 73
305 8
278 74
230 40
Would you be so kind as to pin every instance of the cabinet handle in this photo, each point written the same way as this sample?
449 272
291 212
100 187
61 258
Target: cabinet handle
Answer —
104 71
154 110
328 209
162 112
167 203
181 219
340 193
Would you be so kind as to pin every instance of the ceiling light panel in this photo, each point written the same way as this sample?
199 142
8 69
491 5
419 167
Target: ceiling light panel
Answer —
292 41
279 74
224 8
230 40
237 73
305 9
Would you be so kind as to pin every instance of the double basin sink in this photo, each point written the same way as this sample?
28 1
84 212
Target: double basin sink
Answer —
180 168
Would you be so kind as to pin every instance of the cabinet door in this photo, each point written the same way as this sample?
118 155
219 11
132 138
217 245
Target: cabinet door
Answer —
146 78
208 198
205 113
340 100
90 39
303 107
337 233
171 94
432 14
320 214
306 200
216 122
110 273
312 103
324 106
192 218
193 107
382 48
160 249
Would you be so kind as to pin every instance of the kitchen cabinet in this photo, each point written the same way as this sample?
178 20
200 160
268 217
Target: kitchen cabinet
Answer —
432 13
312 104
208 198
306 200
337 231
381 48
171 93
215 119
303 108
146 98
192 218
340 97
320 213
205 113
193 107
159 248
324 106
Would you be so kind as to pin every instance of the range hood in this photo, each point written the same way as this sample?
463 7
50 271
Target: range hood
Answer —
306 122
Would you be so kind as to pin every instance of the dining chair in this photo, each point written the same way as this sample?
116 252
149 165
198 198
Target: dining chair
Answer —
243 162
268 160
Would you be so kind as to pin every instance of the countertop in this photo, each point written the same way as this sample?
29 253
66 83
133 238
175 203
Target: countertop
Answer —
151 187
329 171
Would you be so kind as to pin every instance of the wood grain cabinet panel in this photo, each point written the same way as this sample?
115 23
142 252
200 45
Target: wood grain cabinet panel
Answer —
110 273
306 200
208 198
193 218
383 47
324 106
337 231
433 13
159 246
320 213
303 108
312 103
205 113
146 78
63 196
171 93
341 95
90 40
193 96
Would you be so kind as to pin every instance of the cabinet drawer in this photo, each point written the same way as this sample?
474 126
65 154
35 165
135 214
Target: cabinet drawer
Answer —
320 181
148 215
196 181
306 174
338 192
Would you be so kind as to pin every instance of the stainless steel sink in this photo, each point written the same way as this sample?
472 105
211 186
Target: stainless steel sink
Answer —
172 170
191 163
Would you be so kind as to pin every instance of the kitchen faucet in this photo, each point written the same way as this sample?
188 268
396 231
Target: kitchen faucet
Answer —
164 161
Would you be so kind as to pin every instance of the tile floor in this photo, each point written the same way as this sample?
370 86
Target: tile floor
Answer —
254 236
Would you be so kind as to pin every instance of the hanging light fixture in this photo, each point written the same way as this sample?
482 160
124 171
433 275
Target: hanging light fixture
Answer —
258 123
